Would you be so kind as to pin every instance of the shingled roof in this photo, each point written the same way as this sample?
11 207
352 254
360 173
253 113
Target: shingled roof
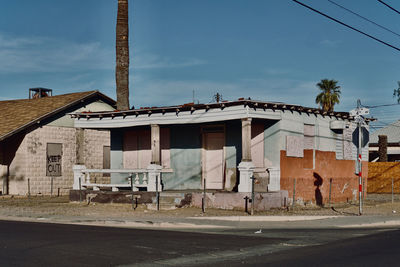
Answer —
17 115
392 132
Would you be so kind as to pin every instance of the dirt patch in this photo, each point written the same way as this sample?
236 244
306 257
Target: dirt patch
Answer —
375 204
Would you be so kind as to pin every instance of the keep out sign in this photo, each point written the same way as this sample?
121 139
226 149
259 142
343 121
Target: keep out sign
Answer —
54 159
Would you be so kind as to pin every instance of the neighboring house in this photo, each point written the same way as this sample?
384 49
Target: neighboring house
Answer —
392 132
220 146
39 144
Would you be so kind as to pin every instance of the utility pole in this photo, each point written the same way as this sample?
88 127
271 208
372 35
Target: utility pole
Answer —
359 119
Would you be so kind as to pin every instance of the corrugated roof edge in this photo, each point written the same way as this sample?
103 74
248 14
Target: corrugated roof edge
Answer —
37 120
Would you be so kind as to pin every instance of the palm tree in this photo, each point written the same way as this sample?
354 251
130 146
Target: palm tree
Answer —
122 56
330 94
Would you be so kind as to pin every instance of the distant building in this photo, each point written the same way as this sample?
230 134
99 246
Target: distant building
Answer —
392 132
39 144
220 146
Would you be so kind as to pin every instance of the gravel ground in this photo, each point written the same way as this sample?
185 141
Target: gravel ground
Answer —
374 204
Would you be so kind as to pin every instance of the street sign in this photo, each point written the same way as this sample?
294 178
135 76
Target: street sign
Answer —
359 112
365 137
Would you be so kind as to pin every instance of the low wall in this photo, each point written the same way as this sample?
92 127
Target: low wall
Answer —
217 200
316 190
380 175
237 201
111 197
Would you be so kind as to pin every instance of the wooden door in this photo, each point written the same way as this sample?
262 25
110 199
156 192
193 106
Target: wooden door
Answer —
213 160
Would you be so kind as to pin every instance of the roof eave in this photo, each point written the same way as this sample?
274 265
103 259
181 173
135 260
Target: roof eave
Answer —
43 117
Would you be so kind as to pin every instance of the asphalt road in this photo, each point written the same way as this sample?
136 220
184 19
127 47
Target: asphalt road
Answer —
46 244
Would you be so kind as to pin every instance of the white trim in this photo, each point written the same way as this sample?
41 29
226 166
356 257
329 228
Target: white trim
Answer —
183 117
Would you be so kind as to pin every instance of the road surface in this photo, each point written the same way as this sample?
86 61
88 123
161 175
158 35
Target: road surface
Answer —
48 244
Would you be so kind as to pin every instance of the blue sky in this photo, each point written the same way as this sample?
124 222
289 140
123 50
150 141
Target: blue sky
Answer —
273 50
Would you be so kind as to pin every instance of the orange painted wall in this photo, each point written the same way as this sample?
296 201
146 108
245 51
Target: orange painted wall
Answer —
313 184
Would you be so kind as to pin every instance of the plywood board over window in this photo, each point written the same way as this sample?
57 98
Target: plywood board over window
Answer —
54 159
137 149
294 146
257 144
165 145
106 159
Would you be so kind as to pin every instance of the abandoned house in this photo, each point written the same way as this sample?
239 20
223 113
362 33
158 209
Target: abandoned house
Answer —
221 146
39 144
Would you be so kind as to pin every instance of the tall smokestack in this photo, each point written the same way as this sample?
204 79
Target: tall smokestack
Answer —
122 56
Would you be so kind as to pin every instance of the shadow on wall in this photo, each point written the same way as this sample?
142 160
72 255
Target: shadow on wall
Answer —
318 183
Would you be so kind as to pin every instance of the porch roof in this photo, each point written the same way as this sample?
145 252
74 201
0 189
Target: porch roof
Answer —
195 113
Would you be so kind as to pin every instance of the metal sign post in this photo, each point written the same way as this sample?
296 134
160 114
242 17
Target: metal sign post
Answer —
360 139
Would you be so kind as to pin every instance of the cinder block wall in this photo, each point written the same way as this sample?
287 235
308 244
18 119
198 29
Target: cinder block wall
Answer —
94 141
380 176
30 159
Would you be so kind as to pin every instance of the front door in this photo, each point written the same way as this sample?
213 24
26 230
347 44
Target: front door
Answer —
213 159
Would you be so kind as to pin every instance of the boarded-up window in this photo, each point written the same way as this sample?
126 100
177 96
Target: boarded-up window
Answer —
348 152
165 147
54 159
309 136
106 159
294 146
137 149
339 144
257 144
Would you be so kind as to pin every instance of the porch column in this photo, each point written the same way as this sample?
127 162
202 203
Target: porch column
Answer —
246 167
155 144
154 180
154 169
246 139
78 175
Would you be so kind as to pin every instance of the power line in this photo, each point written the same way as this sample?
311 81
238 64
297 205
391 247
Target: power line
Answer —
378 106
392 8
346 25
364 18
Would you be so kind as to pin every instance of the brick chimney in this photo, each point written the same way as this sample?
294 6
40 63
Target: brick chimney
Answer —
382 148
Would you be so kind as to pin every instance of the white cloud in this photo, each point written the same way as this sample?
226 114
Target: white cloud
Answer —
330 43
152 61
39 54
42 54
276 72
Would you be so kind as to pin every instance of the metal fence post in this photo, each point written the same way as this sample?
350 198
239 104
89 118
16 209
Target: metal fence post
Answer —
131 178
392 191
363 187
51 186
330 191
157 194
252 195
203 200
80 189
29 188
294 192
